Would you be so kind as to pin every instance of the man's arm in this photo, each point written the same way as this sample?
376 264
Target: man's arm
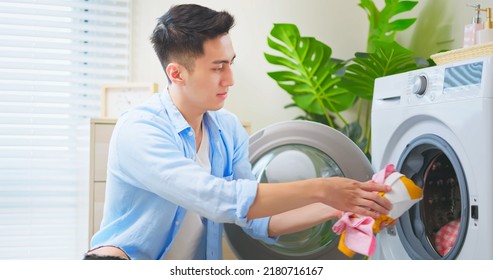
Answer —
301 218
338 192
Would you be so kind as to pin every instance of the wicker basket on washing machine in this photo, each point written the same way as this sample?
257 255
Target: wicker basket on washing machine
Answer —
462 54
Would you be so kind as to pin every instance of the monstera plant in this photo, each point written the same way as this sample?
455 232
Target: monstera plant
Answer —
323 87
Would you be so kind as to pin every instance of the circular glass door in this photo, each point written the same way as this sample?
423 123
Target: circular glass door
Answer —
298 150
297 162
435 228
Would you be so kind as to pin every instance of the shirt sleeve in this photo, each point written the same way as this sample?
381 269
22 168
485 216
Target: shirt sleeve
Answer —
257 228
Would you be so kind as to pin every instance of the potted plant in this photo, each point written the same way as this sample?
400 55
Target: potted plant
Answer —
323 87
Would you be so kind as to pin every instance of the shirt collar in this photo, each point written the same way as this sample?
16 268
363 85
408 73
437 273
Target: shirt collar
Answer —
174 114
177 118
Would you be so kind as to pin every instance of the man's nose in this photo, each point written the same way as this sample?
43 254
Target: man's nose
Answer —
227 79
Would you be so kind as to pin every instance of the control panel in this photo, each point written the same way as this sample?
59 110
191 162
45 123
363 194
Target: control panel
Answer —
444 83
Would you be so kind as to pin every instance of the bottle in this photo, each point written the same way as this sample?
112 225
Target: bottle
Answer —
486 34
471 29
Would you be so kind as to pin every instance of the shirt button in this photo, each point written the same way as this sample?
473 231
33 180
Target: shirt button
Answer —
190 133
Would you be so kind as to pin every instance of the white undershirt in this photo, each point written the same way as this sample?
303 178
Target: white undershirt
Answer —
190 237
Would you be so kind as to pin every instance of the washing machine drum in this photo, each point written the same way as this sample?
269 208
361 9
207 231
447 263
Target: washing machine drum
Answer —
436 227
297 150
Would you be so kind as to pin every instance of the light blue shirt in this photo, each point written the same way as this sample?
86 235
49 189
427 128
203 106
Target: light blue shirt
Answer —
152 179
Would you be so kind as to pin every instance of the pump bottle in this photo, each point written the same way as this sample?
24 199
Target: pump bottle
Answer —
486 34
471 29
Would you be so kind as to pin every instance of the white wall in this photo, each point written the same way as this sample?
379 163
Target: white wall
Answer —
341 24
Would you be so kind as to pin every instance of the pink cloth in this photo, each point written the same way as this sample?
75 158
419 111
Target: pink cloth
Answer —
447 235
359 235
381 175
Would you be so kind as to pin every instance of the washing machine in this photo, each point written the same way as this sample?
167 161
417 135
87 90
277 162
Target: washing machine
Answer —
297 150
435 125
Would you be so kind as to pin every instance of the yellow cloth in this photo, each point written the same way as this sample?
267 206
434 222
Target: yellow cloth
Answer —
397 196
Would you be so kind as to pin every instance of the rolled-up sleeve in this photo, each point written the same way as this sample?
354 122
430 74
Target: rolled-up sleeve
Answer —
256 228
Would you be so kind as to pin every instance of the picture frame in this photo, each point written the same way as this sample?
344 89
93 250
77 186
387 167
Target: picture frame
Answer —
119 98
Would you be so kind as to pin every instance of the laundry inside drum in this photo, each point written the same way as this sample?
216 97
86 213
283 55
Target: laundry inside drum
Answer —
441 207
298 162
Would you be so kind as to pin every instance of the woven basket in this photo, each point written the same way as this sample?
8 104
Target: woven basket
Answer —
462 54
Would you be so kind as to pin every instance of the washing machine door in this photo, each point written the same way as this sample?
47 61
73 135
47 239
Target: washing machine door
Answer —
297 150
436 227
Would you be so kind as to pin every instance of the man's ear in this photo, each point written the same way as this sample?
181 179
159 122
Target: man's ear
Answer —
174 72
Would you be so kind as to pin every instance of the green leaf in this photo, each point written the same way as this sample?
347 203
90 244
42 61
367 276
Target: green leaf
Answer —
389 59
381 27
278 60
401 24
309 73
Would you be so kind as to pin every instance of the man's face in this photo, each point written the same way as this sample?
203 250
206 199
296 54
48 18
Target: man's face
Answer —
207 85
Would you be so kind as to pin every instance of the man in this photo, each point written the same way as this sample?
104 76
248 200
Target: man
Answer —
178 165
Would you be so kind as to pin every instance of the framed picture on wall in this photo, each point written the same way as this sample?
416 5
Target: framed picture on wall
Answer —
118 98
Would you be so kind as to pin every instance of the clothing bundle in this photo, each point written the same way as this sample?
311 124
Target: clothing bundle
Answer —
358 232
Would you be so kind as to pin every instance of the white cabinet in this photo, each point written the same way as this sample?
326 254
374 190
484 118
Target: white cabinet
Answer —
101 130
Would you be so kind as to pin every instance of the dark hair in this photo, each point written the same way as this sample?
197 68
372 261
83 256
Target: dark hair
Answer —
181 32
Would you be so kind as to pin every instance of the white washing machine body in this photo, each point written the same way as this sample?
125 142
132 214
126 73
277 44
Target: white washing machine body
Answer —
435 125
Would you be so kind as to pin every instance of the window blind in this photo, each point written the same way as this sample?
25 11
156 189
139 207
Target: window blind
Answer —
54 57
